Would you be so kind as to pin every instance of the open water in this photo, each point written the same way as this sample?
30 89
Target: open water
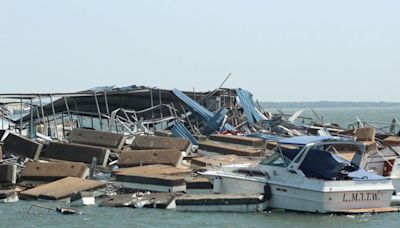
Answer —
19 215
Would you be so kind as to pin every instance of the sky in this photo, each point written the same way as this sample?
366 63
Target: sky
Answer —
342 50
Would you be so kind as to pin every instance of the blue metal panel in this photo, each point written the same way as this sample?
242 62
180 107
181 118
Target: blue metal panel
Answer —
246 101
216 122
211 120
193 105
180 131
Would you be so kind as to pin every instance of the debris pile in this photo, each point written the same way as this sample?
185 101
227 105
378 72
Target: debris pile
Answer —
144 147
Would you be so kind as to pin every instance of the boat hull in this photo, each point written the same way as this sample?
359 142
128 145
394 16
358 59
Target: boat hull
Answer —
313 196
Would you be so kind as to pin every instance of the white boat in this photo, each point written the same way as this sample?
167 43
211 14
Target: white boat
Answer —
306 174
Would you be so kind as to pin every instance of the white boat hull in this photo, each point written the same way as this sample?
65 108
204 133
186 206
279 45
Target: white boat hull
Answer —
332 199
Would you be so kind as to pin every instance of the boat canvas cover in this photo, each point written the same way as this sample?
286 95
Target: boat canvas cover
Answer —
326 166
317 164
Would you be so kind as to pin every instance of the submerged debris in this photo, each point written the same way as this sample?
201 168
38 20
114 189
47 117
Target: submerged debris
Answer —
60 210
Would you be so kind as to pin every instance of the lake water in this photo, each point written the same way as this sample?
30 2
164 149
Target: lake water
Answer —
347 115
16 215
19 215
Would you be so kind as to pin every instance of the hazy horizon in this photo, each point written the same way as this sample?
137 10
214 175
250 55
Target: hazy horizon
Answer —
279 50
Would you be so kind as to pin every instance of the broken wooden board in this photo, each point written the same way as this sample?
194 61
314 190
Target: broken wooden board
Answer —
225 148
219 160
237 139
18 145
132 158
52 171
155 169
391 141
62 189
365 134
96 138
76 153
161 178
157 142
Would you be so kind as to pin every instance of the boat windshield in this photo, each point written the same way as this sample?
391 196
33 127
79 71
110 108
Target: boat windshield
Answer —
276 159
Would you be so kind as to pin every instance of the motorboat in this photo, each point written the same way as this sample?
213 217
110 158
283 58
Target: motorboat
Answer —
306 173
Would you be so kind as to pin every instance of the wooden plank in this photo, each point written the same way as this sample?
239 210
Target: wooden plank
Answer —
52 171
225 148
132 158
157 142
18 145
219 160
76 153
96 138
61 189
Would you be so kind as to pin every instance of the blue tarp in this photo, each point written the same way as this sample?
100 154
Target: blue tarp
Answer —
180 131
213 122
246 101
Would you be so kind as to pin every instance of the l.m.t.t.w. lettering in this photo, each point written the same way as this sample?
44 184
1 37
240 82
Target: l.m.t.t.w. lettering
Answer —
361 196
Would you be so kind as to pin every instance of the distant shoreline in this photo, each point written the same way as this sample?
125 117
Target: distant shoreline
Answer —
328 104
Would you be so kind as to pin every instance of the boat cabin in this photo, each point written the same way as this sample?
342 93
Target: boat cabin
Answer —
317 157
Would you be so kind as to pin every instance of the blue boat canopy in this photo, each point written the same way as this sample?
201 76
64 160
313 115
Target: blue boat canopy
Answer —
304 140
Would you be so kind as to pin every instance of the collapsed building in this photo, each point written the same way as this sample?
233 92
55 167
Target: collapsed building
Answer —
118 140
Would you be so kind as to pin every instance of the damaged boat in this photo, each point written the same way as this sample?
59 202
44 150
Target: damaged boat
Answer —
307 174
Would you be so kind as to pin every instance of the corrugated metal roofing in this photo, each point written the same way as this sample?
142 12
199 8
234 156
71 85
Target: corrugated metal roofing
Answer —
201 111
246 101
180 131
